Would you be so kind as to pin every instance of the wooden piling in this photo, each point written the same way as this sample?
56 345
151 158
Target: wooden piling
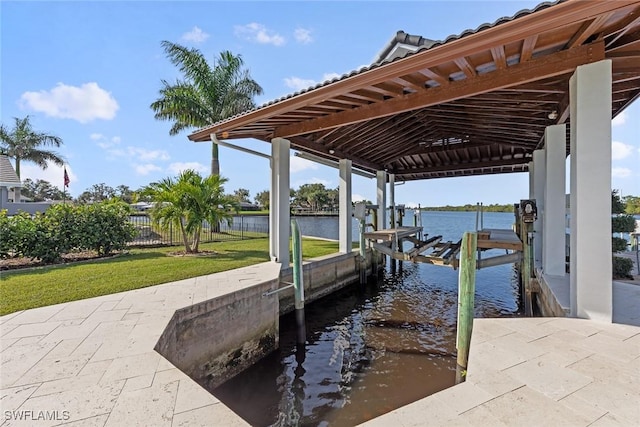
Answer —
527 229
466 291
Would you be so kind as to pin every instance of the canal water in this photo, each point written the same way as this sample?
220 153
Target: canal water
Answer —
375 348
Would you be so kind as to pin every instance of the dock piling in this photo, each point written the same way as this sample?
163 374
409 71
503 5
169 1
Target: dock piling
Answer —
466 291
298 282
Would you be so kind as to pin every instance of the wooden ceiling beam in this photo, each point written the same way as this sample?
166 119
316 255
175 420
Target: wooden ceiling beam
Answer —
309 146
436 77
587 29
632 19
463 166
535 69
465 67
499 57
528 46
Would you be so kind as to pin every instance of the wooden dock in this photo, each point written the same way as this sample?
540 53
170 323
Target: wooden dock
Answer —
434 251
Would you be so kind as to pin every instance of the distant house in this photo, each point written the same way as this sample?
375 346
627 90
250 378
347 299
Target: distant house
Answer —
246 206
10 186
8 181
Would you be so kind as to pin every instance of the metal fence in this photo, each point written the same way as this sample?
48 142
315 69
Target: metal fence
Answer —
239 229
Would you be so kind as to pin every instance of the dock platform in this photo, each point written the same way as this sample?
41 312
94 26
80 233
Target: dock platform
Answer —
434 251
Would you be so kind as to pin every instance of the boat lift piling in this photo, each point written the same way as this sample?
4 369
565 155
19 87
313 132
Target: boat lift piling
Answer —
298 282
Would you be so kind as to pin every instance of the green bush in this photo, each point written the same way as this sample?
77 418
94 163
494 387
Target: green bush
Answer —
623 223
105 227
102 227
622 268
618 244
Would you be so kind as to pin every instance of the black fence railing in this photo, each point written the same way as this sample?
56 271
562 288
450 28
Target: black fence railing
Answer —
241 228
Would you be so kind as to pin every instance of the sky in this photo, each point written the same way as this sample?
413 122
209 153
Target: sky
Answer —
87 72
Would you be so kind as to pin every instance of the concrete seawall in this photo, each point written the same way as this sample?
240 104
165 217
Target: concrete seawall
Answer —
214 340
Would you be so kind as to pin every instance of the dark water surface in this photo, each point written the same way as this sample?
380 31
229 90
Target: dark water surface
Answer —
375 348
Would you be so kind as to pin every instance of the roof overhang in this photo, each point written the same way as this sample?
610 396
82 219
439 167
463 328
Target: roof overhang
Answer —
473 104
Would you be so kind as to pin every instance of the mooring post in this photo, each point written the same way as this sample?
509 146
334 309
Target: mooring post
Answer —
527 237
298 281
466 291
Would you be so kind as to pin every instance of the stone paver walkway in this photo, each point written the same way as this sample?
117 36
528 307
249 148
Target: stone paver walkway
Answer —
538 371
92 362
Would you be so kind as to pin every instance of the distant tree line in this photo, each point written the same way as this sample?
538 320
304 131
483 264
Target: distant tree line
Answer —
471 208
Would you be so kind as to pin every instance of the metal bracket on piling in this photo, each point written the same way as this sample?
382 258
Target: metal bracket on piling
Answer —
275 291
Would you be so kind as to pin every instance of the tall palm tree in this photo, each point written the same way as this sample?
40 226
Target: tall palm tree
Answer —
23 143
188 201
206 94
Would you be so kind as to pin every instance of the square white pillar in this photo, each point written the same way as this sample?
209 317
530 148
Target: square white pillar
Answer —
590 175
532 173
539 177
392 200
345 217
553 226
381 199
279 213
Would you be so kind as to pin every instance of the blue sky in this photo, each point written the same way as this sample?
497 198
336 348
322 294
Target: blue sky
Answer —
87 72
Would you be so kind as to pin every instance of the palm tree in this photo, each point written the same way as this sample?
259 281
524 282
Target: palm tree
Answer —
22 143
187 202
206 94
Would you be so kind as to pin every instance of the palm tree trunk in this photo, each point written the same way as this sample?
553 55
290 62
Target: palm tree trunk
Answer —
185 238
215 161
18 166
17 195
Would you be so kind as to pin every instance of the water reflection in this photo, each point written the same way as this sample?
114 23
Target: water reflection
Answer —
369 350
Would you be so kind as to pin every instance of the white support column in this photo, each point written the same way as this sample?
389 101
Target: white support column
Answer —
539 177
273 206
590 253
392 200
531 180
345 219
381 199
279 215
553 227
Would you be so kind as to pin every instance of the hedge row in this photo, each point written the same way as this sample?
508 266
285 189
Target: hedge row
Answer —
101 227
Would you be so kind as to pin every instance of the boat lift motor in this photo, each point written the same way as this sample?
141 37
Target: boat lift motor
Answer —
528 210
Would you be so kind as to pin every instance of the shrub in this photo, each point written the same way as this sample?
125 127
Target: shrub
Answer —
622 268
623 223
105 227
618 244
102 227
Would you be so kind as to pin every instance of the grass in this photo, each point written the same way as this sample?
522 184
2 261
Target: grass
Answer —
38 287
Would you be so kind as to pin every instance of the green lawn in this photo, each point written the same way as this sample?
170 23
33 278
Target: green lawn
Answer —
37 287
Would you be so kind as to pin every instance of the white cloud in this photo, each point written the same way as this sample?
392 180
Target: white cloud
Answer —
259 33
178 167
298 83
620 119
146 169
620 150
303 35
84 103
196 35
144 155
316 180
54 174
357 198
105 142
620 172
298 164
